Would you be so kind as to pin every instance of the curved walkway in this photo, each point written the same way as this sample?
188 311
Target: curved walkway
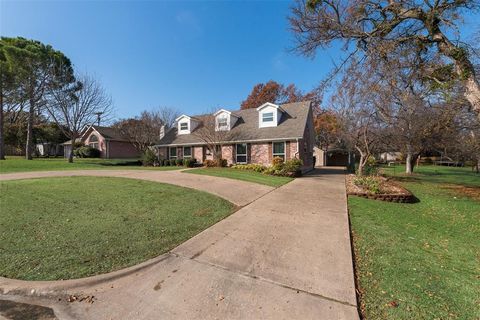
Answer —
238 192
286 255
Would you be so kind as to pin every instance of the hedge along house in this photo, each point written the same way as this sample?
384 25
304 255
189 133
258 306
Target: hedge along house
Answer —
108 140
244 136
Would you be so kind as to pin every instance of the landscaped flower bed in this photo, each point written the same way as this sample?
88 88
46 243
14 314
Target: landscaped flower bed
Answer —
377 188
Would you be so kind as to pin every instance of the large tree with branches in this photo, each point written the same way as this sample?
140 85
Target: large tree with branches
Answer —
381 26
75 107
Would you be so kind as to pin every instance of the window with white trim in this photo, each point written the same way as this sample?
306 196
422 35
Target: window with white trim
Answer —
187 152
222 123
267 117
241 153
279 150
184 126
172 152
93 141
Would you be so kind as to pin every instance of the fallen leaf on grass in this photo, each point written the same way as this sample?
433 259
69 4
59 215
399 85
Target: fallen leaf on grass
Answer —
393 304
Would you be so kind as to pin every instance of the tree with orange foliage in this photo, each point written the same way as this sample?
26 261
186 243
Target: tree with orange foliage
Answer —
327 129
277 93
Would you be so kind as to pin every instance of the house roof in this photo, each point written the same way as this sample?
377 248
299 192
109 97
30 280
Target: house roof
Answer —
108 133
291 126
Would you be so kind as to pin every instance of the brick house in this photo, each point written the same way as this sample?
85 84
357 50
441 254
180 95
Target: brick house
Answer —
254 135
108 140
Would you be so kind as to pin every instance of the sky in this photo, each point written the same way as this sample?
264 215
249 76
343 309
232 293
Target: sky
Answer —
192 55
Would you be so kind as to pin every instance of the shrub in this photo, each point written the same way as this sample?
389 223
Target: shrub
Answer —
277 161
86 152
209 163
149 158
221 162
165 162
252 167
190 163
372 184
172 162
293 167
371 167
179 162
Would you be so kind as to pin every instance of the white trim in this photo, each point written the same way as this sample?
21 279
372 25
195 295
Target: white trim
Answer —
227 142
269 104
183 116
222 110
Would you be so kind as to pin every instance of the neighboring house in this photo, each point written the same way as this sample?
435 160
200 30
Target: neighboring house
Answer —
255 135
391 156
108 140
48 149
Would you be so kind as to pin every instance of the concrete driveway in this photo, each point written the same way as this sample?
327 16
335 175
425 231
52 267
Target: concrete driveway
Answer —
286 255
238 192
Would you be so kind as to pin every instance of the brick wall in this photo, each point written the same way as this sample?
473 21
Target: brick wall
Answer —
261 153
120 149
198 153
228 154
162 153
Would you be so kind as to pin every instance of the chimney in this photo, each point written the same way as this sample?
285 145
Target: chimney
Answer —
162 131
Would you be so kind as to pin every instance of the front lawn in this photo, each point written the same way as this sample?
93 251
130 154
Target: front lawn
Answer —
420 261
245 175
61 228
437 174
19 164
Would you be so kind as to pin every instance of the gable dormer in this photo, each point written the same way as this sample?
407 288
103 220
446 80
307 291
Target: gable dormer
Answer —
269 115
224 120
185 124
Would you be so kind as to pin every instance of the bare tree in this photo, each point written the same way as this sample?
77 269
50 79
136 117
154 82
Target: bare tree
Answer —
213 135
379 27
145 130
76 107
359 128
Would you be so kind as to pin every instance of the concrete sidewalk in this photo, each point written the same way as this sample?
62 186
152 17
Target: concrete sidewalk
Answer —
286 255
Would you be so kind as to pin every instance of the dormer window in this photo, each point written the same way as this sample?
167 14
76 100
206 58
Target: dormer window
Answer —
267 117
186 124
224 120
222 123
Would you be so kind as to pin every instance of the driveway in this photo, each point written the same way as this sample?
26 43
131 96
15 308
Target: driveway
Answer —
285 255
238 192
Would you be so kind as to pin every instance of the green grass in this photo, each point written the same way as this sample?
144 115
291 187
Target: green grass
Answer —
250 176
17 164
61 228
425 257
436 174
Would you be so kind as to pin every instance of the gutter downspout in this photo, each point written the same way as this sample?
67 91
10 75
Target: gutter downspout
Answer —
298 151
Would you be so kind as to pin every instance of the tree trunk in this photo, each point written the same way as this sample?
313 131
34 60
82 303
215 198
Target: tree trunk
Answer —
361 164
463 68
408 163
70 156
2 143
29 144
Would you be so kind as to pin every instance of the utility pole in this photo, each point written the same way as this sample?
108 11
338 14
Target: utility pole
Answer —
99 114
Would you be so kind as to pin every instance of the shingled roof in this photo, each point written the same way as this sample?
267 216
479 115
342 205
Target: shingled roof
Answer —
108 133
291 126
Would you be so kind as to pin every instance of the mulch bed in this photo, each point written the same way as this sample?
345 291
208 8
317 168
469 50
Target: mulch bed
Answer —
389 191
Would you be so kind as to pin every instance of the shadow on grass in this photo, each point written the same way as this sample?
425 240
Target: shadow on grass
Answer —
136 163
